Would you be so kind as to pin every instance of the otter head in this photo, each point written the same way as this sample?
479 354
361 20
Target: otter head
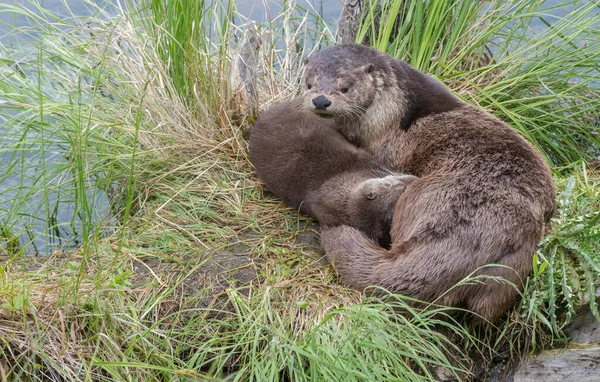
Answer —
341 82
367 92
372 203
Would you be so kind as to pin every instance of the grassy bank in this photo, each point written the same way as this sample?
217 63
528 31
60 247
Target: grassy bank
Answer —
185 267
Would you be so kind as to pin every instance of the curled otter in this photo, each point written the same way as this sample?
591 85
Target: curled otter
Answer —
482 197
303 160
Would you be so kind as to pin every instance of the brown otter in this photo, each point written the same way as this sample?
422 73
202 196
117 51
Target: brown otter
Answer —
303 160
482 197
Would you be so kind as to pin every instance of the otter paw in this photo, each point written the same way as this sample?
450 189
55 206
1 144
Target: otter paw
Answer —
373 188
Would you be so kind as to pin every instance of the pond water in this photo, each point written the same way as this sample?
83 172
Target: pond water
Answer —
259 10
39 208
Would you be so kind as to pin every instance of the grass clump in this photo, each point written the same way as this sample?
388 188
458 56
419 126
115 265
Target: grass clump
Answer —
185 267
568 267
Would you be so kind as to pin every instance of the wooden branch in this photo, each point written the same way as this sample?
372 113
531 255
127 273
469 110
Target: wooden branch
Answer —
243 97
577 365
348 22
350 18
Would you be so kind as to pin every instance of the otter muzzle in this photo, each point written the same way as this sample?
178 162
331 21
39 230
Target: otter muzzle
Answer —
321 102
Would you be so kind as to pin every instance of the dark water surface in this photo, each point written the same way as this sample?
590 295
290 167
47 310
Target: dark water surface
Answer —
260 10
38 203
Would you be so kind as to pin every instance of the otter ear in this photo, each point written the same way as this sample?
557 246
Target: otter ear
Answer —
369 68
307 61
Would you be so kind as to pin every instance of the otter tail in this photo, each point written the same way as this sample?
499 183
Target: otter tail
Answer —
428 273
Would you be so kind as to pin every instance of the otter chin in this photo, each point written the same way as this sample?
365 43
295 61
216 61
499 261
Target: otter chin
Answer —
323 114
478 207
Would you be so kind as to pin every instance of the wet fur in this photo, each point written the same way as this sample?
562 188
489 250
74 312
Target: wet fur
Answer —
303 160
482 197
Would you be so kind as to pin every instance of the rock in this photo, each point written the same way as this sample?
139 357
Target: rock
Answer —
571 364
580 361
584 329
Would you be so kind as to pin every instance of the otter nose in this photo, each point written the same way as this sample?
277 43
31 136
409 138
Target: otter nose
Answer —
321 102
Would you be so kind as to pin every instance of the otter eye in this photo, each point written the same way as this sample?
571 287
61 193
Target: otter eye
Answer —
308 86
344 90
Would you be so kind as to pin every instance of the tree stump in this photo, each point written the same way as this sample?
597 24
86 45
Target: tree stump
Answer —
348 22
243 92
350 17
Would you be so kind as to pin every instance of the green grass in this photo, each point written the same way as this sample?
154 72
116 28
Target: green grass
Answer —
134 106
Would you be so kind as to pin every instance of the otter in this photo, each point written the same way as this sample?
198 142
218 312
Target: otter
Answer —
303 160
478 207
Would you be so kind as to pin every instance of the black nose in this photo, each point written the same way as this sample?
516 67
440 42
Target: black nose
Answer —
321 102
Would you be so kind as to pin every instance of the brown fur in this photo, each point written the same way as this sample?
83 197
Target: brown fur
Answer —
482 196
309 165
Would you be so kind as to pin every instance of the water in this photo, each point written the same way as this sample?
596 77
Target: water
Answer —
39 207
258 10
8 20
